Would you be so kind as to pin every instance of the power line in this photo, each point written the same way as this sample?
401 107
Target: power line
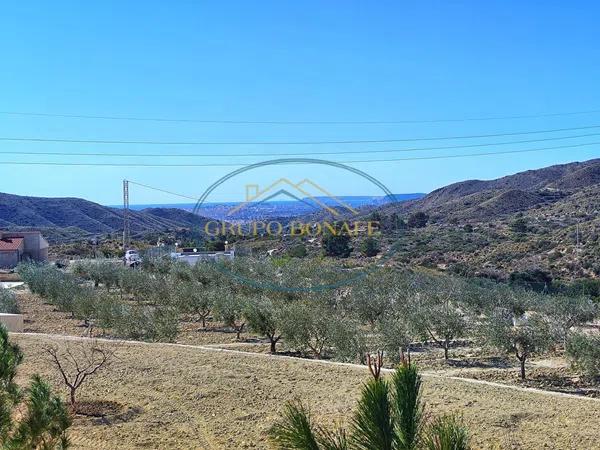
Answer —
331 152
163 190
300 122
419 158
371 141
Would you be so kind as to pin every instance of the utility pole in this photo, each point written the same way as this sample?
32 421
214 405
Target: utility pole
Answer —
126 229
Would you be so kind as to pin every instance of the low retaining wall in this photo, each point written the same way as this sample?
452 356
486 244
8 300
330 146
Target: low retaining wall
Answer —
12 322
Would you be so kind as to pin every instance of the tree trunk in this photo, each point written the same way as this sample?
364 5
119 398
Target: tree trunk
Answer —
522 360
239 331
273 343
446 352
72 398
203 322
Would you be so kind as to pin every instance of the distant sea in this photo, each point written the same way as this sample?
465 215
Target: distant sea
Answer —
352 200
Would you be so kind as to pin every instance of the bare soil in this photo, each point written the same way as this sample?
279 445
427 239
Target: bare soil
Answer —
465 361
169 396
42 317
184 397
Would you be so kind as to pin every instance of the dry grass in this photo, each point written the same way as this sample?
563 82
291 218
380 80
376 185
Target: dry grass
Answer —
180 397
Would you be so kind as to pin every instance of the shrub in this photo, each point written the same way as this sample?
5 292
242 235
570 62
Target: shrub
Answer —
519 225
586 287
584 352
417 220
8 302
297 251
369 247
336 244
446 433
30 419
535 279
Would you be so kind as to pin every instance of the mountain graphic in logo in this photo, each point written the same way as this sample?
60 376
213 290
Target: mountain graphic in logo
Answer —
300 192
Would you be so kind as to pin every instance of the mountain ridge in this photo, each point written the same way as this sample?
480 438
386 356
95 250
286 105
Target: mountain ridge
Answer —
517 192
85 218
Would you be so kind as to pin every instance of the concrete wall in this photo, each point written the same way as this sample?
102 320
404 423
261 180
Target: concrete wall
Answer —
9 260
36 246
193 258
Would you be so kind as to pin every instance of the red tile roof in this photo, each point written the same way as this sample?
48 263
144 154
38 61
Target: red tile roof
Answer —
10 244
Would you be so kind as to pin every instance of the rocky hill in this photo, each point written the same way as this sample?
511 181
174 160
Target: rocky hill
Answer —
546 219
477 200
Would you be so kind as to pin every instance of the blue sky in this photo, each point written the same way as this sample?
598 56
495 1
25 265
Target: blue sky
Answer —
288 61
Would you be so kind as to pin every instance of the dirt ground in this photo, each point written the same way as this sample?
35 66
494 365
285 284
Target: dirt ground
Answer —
166 396
465 361
169 396
42 317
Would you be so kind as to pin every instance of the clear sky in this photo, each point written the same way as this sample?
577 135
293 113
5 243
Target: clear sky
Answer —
289 61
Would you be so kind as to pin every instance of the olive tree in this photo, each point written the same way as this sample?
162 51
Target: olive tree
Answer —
145 323
523 339
565 312
195 299
395 337
436 310
375 295
265 316
229 308
313 327
584 352
132 282
99 271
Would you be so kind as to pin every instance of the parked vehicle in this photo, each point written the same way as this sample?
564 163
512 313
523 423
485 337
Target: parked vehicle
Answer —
132 258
